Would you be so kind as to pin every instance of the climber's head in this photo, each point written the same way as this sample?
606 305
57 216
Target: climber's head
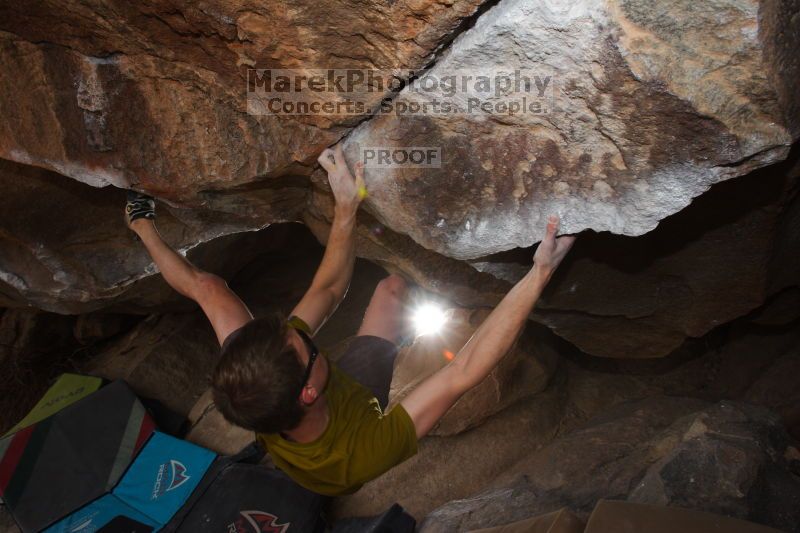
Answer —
258 383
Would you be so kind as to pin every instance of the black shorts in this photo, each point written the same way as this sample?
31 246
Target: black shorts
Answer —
370 361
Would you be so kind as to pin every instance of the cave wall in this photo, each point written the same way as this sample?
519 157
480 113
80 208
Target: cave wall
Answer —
650 107
671 148
653 107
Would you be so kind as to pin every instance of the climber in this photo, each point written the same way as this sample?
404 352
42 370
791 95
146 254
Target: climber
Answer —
324 423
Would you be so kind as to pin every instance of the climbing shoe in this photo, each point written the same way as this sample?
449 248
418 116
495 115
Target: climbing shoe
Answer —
139 206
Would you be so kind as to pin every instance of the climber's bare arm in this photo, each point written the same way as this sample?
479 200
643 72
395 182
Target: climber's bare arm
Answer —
224 309
332 278
491 341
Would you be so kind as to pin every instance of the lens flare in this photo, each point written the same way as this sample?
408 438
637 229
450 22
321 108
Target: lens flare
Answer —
428 318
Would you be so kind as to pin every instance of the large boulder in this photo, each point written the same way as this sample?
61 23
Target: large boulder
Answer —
717 260
66 248
637 90
619 296
153 95
729 458
652 107
649 108
777 389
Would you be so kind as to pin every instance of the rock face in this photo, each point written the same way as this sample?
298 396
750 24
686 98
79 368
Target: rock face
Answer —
716 260
750 359
669 139
166 357
153 95
728 458
741 362
777 390
649 108
525 371
65 247
618 296
208 428
743 477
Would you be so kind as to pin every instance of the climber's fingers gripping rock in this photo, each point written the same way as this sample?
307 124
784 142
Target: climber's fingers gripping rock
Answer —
552 250
347 190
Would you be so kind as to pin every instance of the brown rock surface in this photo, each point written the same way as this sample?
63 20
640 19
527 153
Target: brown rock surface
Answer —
723 365
717 260
561 521
726 458
777 389
649 107
617 296
523 372
654 107
168 357
152 95
208 428
65 246
611 515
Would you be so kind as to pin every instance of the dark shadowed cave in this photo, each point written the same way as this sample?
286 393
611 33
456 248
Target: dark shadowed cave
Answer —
660 365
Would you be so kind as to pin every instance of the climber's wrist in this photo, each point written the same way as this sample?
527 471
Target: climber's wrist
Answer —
345 212
541 273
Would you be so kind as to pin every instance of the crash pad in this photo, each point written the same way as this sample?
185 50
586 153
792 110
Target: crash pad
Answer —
68 389
238 495
103 514
157 484
65 461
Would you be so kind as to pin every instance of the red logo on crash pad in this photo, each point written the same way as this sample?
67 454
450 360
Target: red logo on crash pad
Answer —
257 522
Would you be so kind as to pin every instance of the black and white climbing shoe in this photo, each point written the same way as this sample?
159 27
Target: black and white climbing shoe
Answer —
140 206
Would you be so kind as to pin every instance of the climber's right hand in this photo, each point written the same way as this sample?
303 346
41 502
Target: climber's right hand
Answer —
347 190
551 250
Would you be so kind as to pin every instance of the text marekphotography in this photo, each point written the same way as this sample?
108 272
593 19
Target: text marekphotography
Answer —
346 92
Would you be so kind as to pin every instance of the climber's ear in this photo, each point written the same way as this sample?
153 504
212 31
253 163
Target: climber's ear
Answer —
308 395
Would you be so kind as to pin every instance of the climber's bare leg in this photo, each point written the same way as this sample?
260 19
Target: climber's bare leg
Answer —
385 315
226 311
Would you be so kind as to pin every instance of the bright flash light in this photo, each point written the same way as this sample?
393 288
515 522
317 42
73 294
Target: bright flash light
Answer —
428 318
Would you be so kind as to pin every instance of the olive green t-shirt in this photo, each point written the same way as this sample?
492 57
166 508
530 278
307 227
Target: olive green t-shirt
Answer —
359 444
